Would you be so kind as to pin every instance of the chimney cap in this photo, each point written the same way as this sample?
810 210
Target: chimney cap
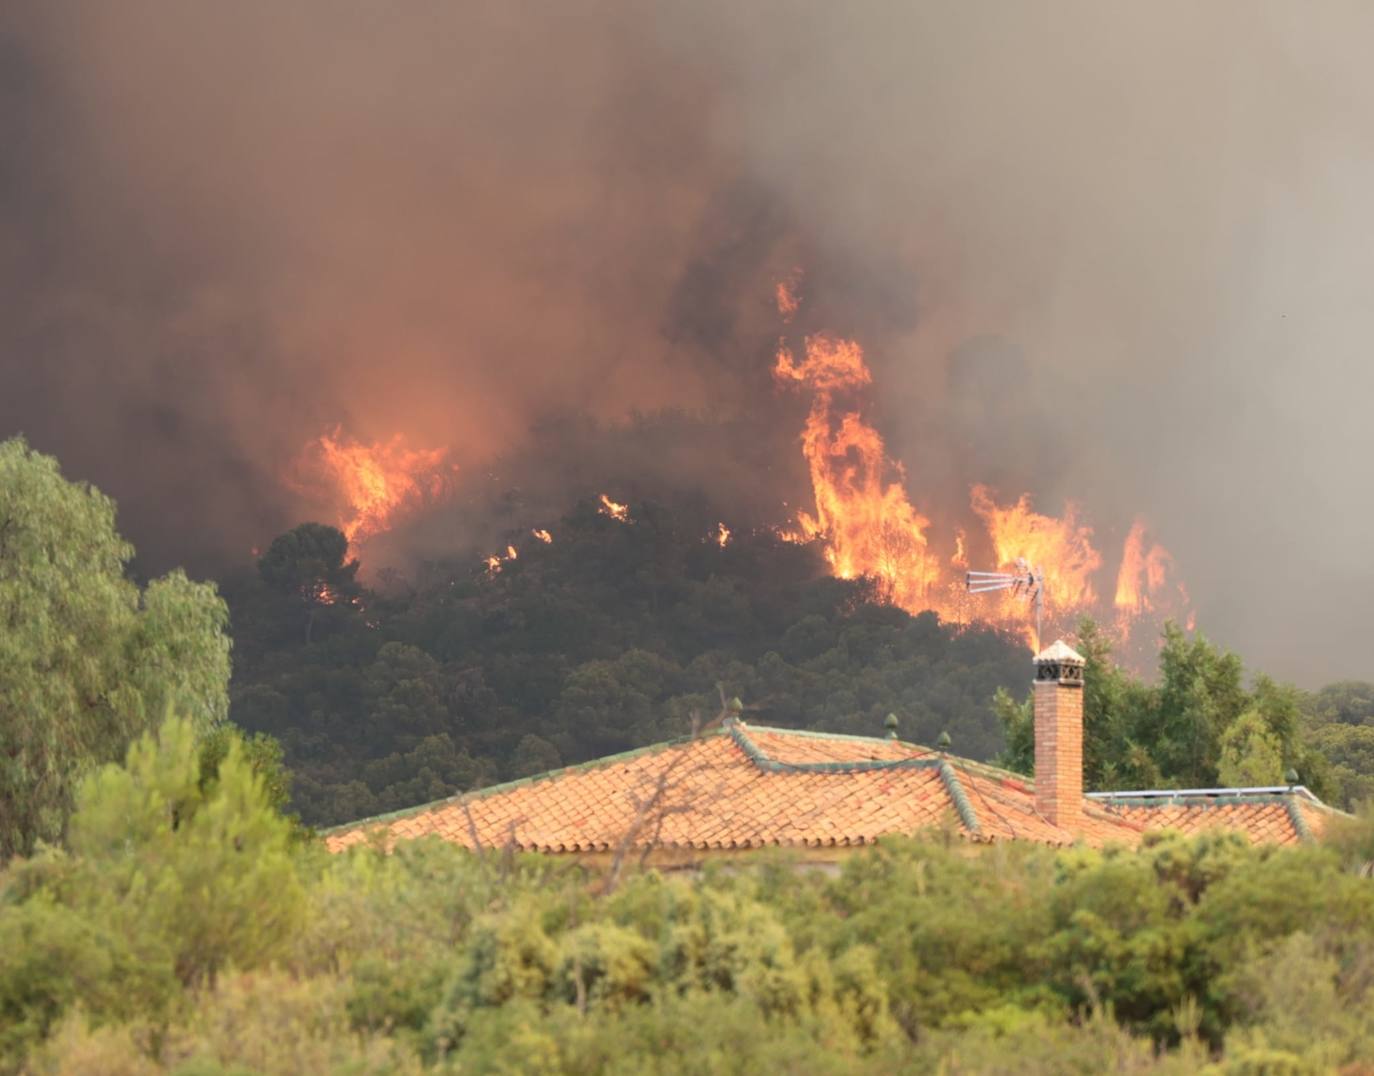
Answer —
1059 653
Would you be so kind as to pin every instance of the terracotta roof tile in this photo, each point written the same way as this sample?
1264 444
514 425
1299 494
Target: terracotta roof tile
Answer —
746 787
1279 817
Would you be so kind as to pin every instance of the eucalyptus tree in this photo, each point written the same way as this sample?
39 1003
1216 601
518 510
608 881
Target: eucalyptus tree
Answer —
88 659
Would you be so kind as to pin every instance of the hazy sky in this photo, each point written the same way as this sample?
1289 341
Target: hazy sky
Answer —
1115 252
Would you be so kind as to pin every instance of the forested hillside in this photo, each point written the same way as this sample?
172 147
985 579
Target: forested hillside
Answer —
615 634
610 636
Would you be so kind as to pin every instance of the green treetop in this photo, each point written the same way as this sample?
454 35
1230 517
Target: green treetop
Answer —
87 660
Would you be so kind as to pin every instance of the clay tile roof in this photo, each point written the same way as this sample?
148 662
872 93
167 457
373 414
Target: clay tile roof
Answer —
749 787
741 787
1268 815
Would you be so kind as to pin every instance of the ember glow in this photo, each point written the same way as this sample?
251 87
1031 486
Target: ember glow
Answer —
377 483
722 535
617 511
543 535
868 526
786 295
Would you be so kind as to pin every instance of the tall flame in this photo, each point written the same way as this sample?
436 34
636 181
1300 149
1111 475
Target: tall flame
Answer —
1061 548
377 482
862 512
1143 582
869 527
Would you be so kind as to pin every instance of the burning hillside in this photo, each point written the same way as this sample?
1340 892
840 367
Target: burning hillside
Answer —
864 518
372 485
869 526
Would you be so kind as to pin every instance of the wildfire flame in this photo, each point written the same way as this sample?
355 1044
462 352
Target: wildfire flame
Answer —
722 535
869 527
1060 548
543 535
1143 585
618 512
862 512
786 296
377 482
495 561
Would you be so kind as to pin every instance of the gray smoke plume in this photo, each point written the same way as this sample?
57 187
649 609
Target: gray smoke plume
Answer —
1108 252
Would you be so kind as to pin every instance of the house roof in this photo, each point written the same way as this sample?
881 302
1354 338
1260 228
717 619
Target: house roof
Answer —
744 786
1273 815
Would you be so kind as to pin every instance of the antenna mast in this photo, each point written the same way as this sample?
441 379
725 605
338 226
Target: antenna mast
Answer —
1026 579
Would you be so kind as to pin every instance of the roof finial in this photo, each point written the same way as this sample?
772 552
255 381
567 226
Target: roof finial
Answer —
943 742
890 723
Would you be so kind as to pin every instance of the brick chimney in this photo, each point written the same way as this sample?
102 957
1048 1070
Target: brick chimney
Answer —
1058 695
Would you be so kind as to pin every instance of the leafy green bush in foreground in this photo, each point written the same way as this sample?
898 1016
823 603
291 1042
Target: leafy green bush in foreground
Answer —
190 929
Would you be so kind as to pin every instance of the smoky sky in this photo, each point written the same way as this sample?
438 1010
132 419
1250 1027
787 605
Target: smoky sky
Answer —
1115 253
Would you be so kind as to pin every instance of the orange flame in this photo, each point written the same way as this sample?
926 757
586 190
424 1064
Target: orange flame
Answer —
960 558
786 296
1060 548
1142 583
722 535
543 535
618 512
378 482
868 526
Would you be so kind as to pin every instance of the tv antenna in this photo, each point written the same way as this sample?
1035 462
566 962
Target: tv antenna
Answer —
1025 580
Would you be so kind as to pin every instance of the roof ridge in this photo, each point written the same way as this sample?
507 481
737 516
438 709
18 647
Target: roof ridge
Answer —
506 786
1300 826
760 758
817 734
955 787
984 769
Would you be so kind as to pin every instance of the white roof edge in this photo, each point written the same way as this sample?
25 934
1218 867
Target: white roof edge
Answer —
1172 793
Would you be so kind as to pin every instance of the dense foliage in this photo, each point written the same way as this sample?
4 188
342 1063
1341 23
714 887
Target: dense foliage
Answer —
1197 726
188 928
87 659
607 638
1339 724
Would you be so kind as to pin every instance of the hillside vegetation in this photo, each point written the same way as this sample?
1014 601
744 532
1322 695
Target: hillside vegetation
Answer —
615 635
608 638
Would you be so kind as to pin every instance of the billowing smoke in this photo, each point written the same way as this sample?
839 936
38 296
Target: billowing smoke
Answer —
1109 253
